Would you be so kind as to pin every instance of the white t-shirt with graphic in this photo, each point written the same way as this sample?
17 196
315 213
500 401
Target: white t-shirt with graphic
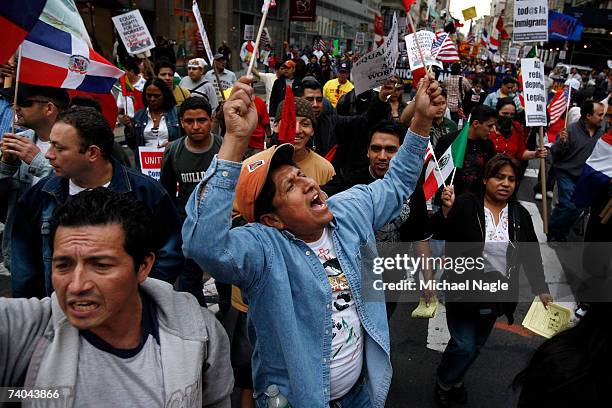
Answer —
347 333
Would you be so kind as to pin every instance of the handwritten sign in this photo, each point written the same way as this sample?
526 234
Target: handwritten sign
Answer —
425 40
376 67
534 91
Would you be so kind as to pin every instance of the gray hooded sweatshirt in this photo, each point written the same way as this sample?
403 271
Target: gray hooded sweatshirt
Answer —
40 348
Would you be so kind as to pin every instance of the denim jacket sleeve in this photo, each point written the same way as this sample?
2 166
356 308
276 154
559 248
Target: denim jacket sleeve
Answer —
232 256
381 201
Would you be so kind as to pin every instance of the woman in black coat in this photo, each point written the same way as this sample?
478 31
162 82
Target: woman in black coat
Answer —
496 232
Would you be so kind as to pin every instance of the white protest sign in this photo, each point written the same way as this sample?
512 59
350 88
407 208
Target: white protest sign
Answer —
249 32
425 40
359 39
530 21
533 91
376 67
200 23
513 54
151 160
133 32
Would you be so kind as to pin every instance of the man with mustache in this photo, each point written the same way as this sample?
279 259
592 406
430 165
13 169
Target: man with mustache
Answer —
279 260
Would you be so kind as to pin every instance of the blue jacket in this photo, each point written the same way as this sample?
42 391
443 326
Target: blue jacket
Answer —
141 119
290 299
31 249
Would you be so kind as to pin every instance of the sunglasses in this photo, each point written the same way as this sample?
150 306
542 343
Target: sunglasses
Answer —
28 103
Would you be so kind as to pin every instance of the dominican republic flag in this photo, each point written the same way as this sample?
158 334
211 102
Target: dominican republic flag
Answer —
491 43
596 173
444 49
17 19
59 56
452 157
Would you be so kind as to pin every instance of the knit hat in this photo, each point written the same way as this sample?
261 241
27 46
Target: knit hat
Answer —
302 108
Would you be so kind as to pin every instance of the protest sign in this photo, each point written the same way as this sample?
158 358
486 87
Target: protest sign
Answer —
249 32
530 21
425 40
513 54
376 67
151 160
469 13
534 93
133 32
359 39
200 23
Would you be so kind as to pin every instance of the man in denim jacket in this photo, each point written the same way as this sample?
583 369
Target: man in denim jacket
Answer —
80 154
23 154
298 260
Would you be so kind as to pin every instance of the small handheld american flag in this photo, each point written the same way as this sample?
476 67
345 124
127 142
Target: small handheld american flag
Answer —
558 105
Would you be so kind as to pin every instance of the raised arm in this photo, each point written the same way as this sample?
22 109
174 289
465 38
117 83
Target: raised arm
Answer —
226 255
381 201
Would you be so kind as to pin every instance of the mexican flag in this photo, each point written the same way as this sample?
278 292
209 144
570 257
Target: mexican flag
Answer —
452 157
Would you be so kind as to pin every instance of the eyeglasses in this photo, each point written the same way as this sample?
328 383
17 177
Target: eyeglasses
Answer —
29 102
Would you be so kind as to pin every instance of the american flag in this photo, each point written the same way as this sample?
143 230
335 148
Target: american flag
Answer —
265 40
471 39
320 45
558 105
444 49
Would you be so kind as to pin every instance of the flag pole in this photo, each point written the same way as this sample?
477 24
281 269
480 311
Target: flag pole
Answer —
416 40
453 176
8 81
569 100
543 173
249 73
16 87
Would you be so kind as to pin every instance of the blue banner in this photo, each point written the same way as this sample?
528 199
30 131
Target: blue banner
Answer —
563 27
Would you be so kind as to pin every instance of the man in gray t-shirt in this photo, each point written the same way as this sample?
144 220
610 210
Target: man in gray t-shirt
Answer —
109 335
186 159
198 85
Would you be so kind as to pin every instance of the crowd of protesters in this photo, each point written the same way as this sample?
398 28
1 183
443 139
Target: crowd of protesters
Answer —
107 265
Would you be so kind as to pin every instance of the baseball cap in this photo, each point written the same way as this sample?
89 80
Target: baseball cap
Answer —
196 63
289 64
218 56
254 174
343 67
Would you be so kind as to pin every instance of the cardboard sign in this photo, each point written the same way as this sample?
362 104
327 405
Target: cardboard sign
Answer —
376 67
133 32
534 92
200 23
249 32
469 13
530 21
359 39
151 160
513 54
425 40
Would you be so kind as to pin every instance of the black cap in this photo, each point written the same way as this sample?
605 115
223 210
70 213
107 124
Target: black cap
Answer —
218 56
59 96
344 67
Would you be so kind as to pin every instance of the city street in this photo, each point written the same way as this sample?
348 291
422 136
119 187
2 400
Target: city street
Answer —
417 344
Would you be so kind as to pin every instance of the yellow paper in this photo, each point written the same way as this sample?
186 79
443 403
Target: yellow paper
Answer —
469 13
423 311
546 322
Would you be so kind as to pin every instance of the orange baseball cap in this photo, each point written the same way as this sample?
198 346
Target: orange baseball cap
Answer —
289 64
254 174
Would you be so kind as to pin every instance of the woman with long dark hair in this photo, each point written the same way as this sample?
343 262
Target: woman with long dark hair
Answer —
326 69
496 229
